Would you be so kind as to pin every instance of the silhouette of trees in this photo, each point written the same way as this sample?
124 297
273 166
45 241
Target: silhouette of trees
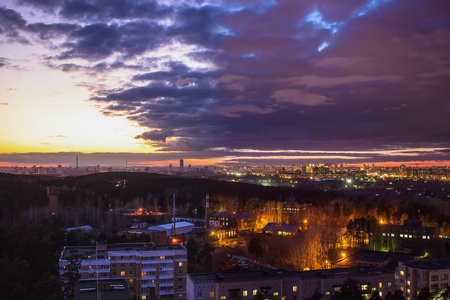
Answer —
348 291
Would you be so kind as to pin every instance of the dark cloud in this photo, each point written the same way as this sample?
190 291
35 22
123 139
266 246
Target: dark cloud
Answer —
50 31
105 10
156 135
11 22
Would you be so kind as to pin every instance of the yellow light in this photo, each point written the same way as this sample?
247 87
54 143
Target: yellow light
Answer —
343 254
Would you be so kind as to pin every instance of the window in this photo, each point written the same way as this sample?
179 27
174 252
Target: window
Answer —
180 271
402 273
122 265
435 278
180 279
131 265
144 297
294 288
162 257
131 272
211 294
180 264
223 297
122 257
91 275
444 277
275 293
255 292
408 282
389 283
380 285
122 273
199 294
244 293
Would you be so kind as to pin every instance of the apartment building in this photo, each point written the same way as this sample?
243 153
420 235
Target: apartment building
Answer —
151 271
412 276
283 284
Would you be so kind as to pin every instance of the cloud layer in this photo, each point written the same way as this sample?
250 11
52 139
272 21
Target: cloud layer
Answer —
305 75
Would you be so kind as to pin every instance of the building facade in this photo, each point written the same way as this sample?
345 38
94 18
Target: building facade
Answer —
151 271
412 276
283 284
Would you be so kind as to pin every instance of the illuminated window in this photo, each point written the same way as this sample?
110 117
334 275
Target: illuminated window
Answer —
180 264
143 297
244 293
364 287
408 282
275 293
380 285
254 292
408 291
162 257
401 234
389 283
211 294
223 297
294 288
122 273
402 273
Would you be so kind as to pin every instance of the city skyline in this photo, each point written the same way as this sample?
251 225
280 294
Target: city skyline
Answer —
237 82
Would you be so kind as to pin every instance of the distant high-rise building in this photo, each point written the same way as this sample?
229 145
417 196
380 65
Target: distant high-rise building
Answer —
181 164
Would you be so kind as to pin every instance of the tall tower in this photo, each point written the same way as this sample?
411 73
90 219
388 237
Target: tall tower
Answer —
207 212
53 195
181 164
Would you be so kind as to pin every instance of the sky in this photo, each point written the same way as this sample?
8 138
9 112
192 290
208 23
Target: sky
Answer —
232 82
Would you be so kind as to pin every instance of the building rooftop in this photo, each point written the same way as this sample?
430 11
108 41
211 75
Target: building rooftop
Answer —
240 276
430 265
342 273
91 252
282 227
111 289
170 225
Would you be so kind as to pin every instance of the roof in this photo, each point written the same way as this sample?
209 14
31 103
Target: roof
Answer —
240 276
170 226
430 265
343 273
111 289
282 227
89 252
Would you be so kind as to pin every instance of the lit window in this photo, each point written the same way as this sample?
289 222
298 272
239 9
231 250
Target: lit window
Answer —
223 297
364 287
254 292
162 257
143 297
401 234
294 288
180 264
211 294
389 283
402 273
122 273
408 282
380 285
327 293
244 293
275 293
408 291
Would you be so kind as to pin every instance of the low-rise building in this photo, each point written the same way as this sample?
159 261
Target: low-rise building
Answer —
282 228
151 271
412 276
283 284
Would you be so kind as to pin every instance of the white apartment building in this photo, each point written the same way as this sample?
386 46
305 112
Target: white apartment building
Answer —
151 271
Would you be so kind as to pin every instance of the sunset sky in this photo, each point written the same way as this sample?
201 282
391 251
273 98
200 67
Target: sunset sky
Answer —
248 82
